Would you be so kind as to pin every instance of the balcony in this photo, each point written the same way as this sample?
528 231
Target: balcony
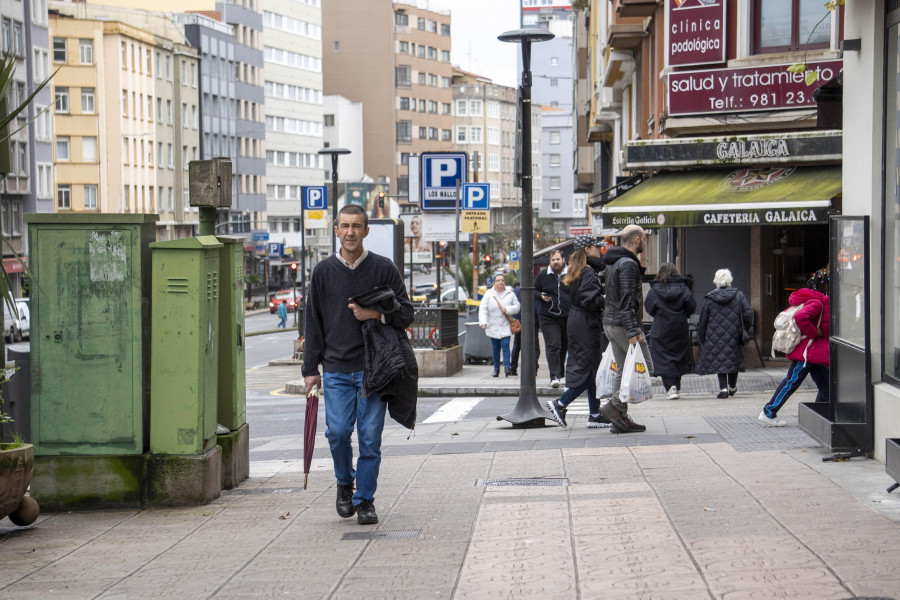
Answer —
636 8
626 36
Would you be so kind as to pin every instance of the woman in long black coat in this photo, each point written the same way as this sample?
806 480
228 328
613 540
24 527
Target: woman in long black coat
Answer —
584 328
725 316
670 302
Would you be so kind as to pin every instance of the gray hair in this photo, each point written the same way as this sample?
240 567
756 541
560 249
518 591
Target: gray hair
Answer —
723 278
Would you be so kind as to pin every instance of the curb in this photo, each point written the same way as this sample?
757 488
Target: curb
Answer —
268 331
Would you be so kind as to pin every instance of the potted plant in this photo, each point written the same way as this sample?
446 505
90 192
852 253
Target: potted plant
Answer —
17 458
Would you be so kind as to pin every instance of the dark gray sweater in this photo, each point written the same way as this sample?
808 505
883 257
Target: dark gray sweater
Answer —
333 336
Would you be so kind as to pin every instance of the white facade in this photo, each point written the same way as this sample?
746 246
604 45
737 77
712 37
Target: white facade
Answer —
344 129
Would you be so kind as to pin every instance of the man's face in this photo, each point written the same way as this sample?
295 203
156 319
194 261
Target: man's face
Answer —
556 263
640 244
351 230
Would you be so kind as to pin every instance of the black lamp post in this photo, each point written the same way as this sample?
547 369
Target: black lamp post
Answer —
334 152
528 411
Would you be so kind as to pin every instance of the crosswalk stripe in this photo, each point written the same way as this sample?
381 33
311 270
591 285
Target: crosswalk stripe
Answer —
454 410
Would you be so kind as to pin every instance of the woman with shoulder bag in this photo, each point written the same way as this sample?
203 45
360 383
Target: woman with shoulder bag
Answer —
584 329
497 304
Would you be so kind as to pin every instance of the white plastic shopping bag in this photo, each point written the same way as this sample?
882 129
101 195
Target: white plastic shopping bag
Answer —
636 384
606 374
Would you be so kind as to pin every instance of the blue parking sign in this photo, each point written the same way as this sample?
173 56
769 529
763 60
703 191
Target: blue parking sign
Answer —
440 173
315 197
476 196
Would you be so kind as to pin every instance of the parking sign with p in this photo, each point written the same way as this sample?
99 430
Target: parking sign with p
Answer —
440 173
315 197
476 196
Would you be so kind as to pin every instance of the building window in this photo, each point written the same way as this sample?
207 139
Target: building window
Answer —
554 206
421 106
445 56
475 135
446 135
432 26
404 103
329 120
421 24
86 51
404 158
62 100
475 108
59 49
87 100
64 197
493 162
403 74
421 79
432 106
432 80
404 132
445 82
785 25
493 136
336 47
461 134
446 108
432 133
461 108
555 183
404 48
554 61
432 53
423 133
89 148
445 29
62 148
90 197
554 83
401 19
554 137
555 160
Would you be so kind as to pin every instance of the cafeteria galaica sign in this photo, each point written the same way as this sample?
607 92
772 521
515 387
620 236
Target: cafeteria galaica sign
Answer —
697 218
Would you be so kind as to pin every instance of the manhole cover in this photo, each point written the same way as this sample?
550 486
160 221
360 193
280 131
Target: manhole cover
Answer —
525 482
245 492
403 534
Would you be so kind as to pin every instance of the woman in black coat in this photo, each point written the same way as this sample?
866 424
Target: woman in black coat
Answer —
584 328
725 316
670 302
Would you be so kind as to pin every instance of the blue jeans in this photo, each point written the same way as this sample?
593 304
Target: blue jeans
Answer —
496 346
281 323
589 385
344 407
791 382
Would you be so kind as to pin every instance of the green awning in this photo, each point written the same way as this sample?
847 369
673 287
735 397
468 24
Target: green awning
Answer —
768 196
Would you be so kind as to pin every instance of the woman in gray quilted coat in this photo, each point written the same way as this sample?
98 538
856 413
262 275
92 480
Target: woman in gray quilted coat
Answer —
725 317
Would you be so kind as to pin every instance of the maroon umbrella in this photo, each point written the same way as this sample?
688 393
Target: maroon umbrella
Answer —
309 432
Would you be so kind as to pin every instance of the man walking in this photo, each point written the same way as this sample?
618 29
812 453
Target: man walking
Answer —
622 318
282 315
334 339
553 314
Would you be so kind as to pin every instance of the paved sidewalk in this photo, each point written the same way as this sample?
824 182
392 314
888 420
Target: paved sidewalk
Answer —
704 504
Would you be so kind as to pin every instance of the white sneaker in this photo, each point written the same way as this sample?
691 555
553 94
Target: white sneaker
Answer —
555 383
767 422
673 393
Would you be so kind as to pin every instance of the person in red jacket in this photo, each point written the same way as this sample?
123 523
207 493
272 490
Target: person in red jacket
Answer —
810 357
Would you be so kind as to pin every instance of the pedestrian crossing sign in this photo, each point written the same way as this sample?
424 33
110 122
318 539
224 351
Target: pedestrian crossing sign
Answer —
476 221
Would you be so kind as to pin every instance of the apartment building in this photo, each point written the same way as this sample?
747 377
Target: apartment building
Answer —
395 59
126 120
294 117
484 126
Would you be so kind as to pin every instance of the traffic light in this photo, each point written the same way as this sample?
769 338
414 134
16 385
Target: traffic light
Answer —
487 261
294 271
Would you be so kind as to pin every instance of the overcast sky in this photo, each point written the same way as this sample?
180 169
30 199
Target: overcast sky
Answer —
476 25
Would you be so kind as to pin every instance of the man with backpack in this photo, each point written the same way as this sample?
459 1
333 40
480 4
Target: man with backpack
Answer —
810 354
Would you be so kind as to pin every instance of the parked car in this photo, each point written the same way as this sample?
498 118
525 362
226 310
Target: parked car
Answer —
17 326
281 296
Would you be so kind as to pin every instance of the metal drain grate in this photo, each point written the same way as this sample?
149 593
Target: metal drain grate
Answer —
248 491
525 482
402 534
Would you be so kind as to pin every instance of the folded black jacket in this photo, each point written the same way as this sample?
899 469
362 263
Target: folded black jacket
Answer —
391 370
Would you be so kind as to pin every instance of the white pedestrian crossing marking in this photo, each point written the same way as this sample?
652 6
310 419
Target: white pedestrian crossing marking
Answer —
454 410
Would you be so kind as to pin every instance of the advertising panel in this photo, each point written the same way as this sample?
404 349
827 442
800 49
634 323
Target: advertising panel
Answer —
696 32
768 87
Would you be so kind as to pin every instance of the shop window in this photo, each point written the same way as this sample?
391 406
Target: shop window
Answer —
785 25
891 319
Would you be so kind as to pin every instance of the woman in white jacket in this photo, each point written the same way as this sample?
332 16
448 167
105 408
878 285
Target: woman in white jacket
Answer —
497 303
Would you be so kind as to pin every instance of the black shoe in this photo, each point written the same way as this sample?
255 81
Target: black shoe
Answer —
614 416
723 393
732 391
496 373
557 411
509 372
344 504
629 426
365 513
513 372
597 422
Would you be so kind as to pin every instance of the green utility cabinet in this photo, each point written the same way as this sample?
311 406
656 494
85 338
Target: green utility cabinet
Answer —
232 363
89 333
185 345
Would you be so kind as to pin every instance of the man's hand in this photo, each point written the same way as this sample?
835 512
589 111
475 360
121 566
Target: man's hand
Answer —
311 382
545 298
636 339
363 314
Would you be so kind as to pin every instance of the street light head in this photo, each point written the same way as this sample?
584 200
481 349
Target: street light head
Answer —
520 36
334 151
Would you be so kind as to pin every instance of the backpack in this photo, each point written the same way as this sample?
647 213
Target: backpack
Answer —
787 335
